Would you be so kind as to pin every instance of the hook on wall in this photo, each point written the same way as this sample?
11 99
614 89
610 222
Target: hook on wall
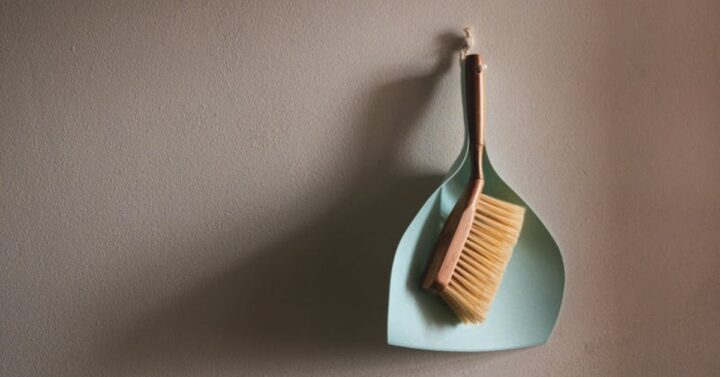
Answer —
470 43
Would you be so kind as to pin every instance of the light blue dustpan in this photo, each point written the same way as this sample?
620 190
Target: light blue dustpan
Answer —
526 306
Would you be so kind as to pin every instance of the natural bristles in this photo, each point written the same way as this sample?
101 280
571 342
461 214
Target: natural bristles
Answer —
483 259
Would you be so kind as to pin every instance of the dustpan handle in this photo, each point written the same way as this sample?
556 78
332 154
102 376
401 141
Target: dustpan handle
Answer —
475 110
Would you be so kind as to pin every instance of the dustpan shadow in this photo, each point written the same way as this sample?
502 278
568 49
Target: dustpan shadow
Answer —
319 291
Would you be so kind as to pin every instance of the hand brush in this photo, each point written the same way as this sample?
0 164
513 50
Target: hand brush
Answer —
477 240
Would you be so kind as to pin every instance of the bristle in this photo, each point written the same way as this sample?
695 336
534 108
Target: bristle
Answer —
483 259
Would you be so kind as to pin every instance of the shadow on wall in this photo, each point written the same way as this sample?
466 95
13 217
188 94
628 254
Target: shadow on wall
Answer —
321 290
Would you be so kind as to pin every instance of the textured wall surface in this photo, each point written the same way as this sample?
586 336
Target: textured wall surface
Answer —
216 188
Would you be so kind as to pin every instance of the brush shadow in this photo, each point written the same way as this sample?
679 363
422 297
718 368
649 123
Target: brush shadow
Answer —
320 290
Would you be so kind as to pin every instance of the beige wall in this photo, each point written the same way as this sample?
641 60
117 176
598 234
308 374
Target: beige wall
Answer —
216 188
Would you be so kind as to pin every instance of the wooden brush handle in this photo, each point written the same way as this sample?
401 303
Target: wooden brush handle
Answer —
475 111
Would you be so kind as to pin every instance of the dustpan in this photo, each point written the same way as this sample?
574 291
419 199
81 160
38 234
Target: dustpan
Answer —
527 304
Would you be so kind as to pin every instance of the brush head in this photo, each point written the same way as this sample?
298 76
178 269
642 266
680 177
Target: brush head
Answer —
472 255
